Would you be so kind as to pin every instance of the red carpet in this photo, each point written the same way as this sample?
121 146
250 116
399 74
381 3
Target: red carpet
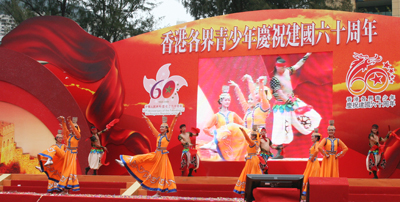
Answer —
111 188
13 197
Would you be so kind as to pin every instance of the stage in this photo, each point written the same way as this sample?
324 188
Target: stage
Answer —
25 187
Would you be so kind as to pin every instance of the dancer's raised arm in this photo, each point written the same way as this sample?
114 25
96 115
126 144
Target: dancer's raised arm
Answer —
169 135
151 126
74 130
65 131
301 62
263 96
239 94
249 141
250 83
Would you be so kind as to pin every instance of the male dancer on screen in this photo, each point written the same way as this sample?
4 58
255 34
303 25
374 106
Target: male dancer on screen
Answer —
189 159
288 109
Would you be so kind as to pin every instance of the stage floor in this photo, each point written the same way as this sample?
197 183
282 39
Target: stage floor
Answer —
23 187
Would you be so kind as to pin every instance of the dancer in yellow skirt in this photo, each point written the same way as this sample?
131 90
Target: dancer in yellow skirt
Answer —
312 168
51 162
221 119
153 170
329 147
252 161
69 179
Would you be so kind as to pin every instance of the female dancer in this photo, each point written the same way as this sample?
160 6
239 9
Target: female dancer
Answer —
257 107
328 147
252 161
51 162
153 170
227 140
224 116
375 158
69 178
313 167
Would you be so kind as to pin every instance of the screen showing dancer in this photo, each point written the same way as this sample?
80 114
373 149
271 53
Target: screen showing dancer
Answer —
288 95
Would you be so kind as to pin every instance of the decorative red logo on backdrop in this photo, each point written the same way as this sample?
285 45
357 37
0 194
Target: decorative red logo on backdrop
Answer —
164 98
369 74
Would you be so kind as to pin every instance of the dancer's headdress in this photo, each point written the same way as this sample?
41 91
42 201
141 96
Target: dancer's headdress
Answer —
331 124
75 122
59 133
280 62
261 129
254 132
315 133
164 121
225 93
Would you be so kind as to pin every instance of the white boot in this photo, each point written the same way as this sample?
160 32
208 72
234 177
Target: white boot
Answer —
40 169
211 146
120 162
48 162
157 195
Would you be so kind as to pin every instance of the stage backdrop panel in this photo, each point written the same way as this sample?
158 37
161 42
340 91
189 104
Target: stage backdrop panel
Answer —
351 76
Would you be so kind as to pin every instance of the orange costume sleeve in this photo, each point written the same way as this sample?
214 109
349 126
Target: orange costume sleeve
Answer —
237 119
65 131
212 122
242 99
343 147
252 88
152 128
263 97
74 130
316 150
321 146
250 141
169 135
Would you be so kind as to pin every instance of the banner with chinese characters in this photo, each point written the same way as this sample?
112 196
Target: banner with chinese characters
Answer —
350 76
285 71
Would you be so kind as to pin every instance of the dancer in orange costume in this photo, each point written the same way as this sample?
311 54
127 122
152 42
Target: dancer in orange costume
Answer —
313 167
69 178
257 108
252 165
329 147
153 170
375 158
226 123
224 116
51 162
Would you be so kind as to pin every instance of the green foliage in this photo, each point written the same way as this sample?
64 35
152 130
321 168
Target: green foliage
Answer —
15 9
116 20
111 20
209 8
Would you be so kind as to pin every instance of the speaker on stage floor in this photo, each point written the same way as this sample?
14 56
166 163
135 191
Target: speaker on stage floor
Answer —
271 181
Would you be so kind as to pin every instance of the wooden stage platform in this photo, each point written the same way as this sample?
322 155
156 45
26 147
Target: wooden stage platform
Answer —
115 188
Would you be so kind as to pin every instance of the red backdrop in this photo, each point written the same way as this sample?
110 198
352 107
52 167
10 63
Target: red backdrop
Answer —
105 81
